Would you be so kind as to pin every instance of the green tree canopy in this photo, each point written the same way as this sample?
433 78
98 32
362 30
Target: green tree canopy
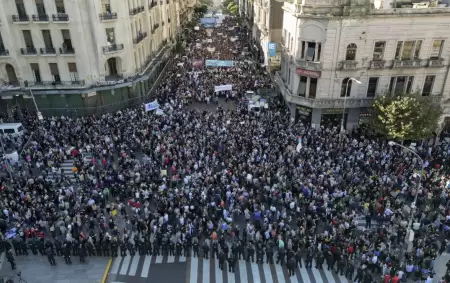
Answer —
404 117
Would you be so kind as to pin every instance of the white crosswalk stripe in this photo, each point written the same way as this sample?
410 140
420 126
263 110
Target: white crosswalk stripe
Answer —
67 167
207 270
361 222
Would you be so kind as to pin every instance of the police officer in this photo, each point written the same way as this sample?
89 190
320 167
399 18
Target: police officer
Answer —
51 256
319 260
205 251
240 250
114 248
187 247
340 266
81 253
250 252
66 253
349 270
148 246
260 256
16 245
123 249
215 249
221 256
269 255
10 258
281 256
90 249
178 248
24 247
309 259
291 266
131 248
195 247
298 258
330 260
98 248
58 247
231 263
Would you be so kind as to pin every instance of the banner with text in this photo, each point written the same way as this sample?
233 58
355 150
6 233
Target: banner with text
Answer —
218 88
151 106
272 49
208 21
219 63
197 63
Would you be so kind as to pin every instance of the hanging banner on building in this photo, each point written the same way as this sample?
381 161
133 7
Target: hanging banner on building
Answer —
197 63
211 49
151 106
272 49
218 88
307 73
219 63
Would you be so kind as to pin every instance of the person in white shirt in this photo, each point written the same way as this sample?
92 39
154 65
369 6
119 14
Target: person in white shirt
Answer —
429 279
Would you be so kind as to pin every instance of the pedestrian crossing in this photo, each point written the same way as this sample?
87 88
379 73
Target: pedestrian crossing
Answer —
66 166
361 223
201 270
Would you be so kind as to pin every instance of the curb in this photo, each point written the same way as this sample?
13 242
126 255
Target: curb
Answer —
105 274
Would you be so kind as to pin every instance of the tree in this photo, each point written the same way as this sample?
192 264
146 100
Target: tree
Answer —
233 8
404 117
208 3
201 9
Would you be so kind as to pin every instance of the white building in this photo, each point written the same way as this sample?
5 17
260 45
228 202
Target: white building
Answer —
329 46
72 46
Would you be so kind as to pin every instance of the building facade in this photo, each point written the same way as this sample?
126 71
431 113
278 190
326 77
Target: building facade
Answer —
338 56
84 53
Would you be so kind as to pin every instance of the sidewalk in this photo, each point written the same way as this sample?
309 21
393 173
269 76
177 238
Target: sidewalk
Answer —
36 269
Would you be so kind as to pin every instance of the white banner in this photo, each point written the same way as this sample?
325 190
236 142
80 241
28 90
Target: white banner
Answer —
211 49
151 106
209 40
196 28
233 39
198 45
218 88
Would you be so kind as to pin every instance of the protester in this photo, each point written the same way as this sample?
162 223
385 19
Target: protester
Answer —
226 181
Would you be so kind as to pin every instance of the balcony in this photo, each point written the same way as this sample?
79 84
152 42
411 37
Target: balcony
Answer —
47 51
347 65
60 17
140 37
20 18
42 18
168 21
28 51
112 48
350 102
308 65
167 2
108 16
136 11
4 52
61 84
416 63
162 24
66 51
153 4
377 64
161 2
436 63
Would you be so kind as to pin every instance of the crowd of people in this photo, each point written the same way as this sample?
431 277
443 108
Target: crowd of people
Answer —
227 183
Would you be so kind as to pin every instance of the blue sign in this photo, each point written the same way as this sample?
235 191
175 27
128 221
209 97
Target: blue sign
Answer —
272 49
219 63
210 21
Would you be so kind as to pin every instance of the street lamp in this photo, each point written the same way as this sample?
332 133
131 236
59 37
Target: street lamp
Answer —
413 204
345 101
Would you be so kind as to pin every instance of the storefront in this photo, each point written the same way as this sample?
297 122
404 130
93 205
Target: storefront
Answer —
303 114
333 117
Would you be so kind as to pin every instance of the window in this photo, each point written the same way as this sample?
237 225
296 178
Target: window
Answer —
27 38
60 9
40 7
428 85
9 131
311 51
346 87
312 87
55 72
21 8
106 7
302 86
110 35
408 50
36 73
372 87
350 55
378 50
47 38
2 45
436 49
289 76
73 72
400 85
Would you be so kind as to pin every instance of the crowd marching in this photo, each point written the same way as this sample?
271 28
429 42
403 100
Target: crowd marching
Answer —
226 183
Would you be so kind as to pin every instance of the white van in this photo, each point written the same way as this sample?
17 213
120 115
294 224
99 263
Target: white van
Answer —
11 129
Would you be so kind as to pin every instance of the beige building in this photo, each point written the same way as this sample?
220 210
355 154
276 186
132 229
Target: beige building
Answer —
338 56
83 47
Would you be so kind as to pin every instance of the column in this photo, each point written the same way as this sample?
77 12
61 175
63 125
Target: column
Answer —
308 80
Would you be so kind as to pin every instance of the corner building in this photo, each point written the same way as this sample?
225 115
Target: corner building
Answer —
337 56
81 56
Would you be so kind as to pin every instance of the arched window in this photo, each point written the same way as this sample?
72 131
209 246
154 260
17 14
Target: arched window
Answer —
350 55
346 87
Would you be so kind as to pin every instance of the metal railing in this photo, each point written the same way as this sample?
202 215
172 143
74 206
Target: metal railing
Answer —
47 51
28 51
137 10
20 18
40 18
60 17
108 16
65 50
78 83
140 37
112 48
4 52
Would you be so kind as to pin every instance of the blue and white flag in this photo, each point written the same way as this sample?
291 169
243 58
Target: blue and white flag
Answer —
151 106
